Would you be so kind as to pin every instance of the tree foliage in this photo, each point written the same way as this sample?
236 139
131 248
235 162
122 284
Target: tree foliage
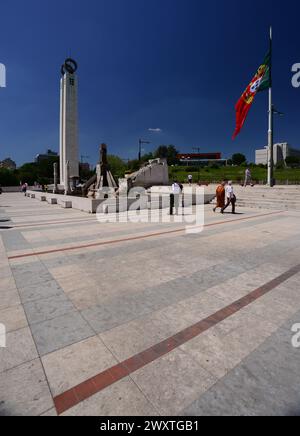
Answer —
292 161
168 152
8 178
117 166
239 159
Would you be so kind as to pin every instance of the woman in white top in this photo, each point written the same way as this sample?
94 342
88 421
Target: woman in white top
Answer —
230 197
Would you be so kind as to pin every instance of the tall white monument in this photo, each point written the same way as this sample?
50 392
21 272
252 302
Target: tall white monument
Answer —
69 152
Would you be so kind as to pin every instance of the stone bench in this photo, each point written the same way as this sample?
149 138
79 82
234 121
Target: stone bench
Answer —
52 200
66 204
43 198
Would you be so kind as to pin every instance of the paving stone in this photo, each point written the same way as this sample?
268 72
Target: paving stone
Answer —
101 319
48 308
40 290
14 240
60 332
20 348
139 335
77 363
7 283
49 413
9 298
24 391
31 278
121 399
173 381
219 401
13 318
266 383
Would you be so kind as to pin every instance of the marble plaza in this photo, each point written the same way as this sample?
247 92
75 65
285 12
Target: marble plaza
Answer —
144 319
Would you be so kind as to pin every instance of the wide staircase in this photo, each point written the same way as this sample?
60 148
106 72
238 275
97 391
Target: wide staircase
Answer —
262 197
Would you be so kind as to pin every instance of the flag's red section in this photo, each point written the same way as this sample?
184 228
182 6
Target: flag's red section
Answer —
242 108
245 102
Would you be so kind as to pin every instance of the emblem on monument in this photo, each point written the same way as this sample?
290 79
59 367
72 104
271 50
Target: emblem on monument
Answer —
70 66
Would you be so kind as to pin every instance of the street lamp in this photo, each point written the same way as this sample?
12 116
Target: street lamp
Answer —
273 111
197 149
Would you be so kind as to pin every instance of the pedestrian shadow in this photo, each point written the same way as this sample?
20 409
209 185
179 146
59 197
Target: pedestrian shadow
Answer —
236 213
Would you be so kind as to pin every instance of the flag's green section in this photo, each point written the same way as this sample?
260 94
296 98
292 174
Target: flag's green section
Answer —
266 82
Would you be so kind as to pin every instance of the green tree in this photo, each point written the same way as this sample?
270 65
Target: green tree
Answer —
133 165
28 173
168 152
161 152
292 161
45 168
40 172
117 166
147 157
239 159
8 178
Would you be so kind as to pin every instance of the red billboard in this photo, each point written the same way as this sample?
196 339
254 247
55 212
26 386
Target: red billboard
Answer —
200 156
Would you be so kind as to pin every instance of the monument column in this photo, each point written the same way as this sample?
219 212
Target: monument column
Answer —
69 123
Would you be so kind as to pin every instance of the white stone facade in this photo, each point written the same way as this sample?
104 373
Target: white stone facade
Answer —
281 152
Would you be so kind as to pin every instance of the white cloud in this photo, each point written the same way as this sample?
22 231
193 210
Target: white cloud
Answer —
155 130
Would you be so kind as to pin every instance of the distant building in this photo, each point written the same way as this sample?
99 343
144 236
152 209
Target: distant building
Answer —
42 157
8 164
281 152
200 158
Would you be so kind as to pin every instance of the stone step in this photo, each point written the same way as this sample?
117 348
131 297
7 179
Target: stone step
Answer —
268 206
266 196
268 200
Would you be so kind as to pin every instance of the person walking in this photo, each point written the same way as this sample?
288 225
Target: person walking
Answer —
175 197
24 188
248 178
230 198
190 179
220 196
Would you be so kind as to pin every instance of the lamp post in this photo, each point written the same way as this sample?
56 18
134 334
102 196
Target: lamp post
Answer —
197 149
272 111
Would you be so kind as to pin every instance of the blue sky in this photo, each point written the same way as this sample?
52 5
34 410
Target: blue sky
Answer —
177 65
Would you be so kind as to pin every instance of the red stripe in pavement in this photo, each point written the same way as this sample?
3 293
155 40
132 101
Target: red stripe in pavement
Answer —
135 238
87 389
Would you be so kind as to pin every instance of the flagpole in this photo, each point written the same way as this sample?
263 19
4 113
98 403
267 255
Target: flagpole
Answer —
271 124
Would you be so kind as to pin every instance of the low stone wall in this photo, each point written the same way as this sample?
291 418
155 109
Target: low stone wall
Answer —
11 189
117 205
67 201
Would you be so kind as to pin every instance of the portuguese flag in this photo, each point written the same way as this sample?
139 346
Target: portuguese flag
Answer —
260 82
